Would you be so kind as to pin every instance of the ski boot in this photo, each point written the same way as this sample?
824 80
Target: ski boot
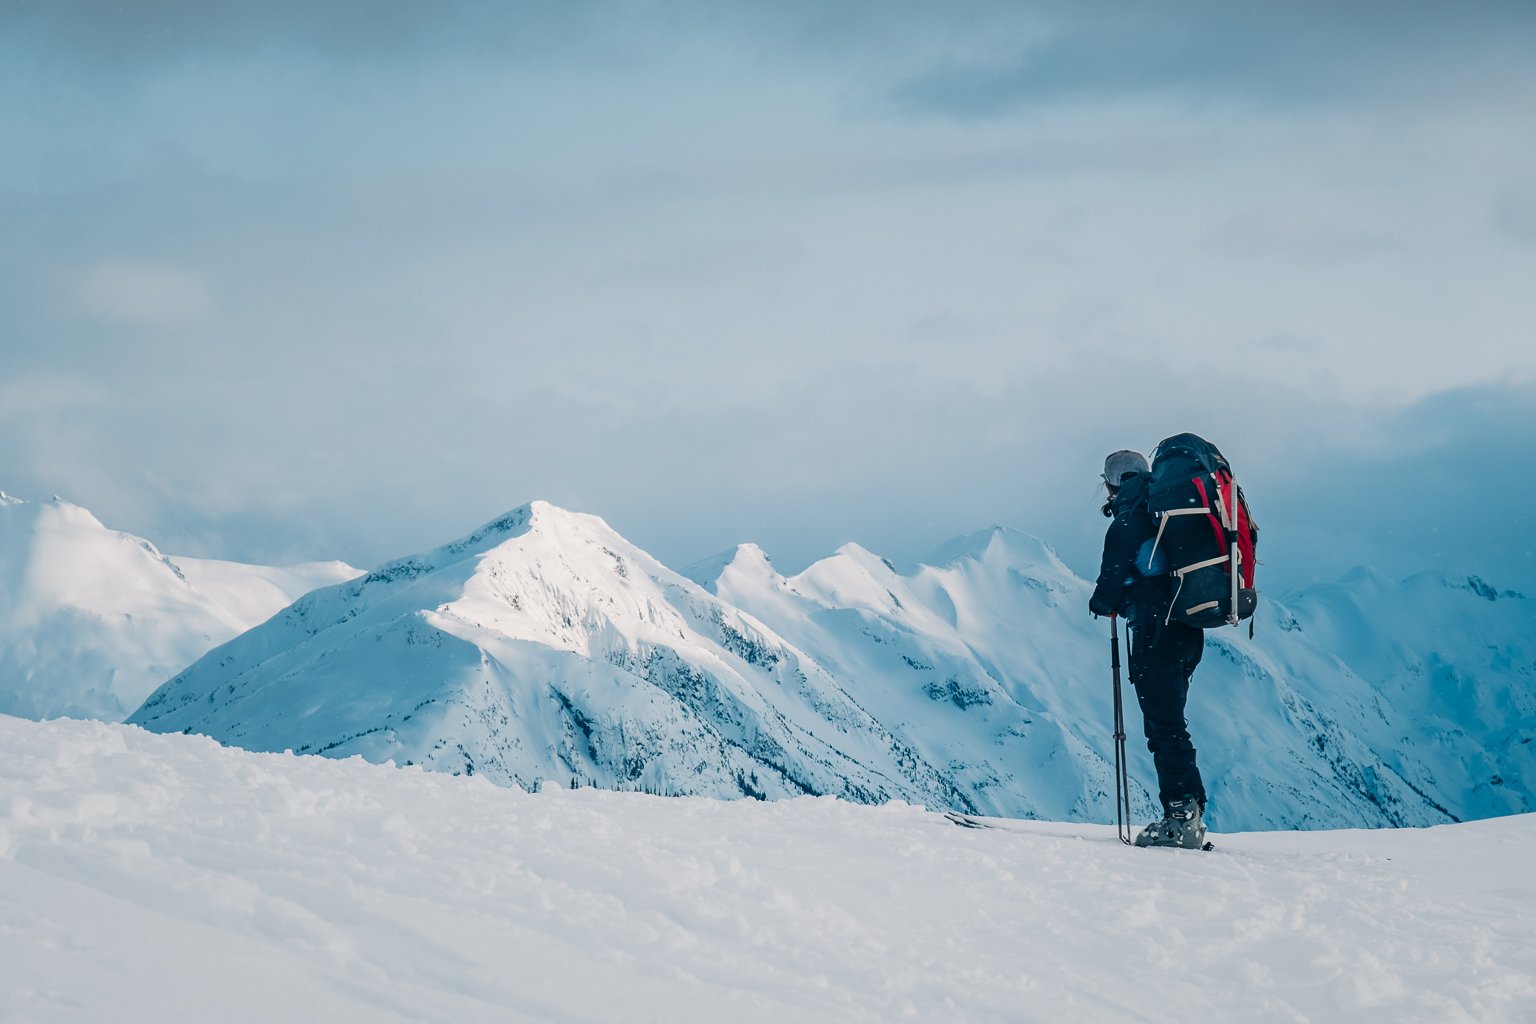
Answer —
1181 826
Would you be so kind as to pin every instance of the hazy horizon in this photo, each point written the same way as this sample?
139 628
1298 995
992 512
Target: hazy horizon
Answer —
346 280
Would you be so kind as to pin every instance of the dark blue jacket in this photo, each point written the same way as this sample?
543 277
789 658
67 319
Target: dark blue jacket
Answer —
1125 583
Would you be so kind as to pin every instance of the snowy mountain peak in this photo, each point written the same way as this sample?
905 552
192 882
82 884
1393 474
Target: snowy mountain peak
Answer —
92 619
998 544
55 510
1365 575
537 522
498 531
507 565
751 558
852 559
1469 582
743 562
72 560
853 577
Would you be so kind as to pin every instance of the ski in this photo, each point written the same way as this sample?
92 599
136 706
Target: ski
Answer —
964 820
1205 847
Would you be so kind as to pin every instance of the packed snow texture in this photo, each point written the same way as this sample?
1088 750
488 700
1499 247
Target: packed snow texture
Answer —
544 646
92 620
169 879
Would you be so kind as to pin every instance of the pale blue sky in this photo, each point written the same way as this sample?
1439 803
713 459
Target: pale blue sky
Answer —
294 280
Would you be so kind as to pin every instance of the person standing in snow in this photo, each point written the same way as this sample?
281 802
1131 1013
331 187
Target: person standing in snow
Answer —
1163 653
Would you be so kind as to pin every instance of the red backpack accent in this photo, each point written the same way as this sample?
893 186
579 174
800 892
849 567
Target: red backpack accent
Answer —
1246 532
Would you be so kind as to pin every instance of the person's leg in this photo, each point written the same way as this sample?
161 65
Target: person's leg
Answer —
1162 658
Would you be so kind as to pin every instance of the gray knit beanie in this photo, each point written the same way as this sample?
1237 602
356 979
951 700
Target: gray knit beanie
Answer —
1122 462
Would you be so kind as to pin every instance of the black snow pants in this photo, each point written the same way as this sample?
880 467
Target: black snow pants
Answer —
1163 656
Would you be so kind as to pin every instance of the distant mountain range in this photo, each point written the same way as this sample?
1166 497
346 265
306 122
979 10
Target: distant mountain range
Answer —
545 648
92 620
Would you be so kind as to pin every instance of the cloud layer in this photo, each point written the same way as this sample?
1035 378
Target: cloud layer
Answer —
345 279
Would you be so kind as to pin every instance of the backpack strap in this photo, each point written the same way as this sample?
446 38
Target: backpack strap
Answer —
1162 524
1200 565
1185 571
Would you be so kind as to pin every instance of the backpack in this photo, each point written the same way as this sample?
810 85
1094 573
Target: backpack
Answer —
1203 528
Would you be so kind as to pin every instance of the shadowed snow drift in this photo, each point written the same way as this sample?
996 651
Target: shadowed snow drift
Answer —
546 647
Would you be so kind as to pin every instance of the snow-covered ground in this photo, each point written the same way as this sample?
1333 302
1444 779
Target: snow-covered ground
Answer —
166 878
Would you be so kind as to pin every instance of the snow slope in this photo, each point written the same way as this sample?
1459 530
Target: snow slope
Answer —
168 879
988 665
92 620
545 646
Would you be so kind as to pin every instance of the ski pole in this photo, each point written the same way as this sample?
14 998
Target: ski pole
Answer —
1122 779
